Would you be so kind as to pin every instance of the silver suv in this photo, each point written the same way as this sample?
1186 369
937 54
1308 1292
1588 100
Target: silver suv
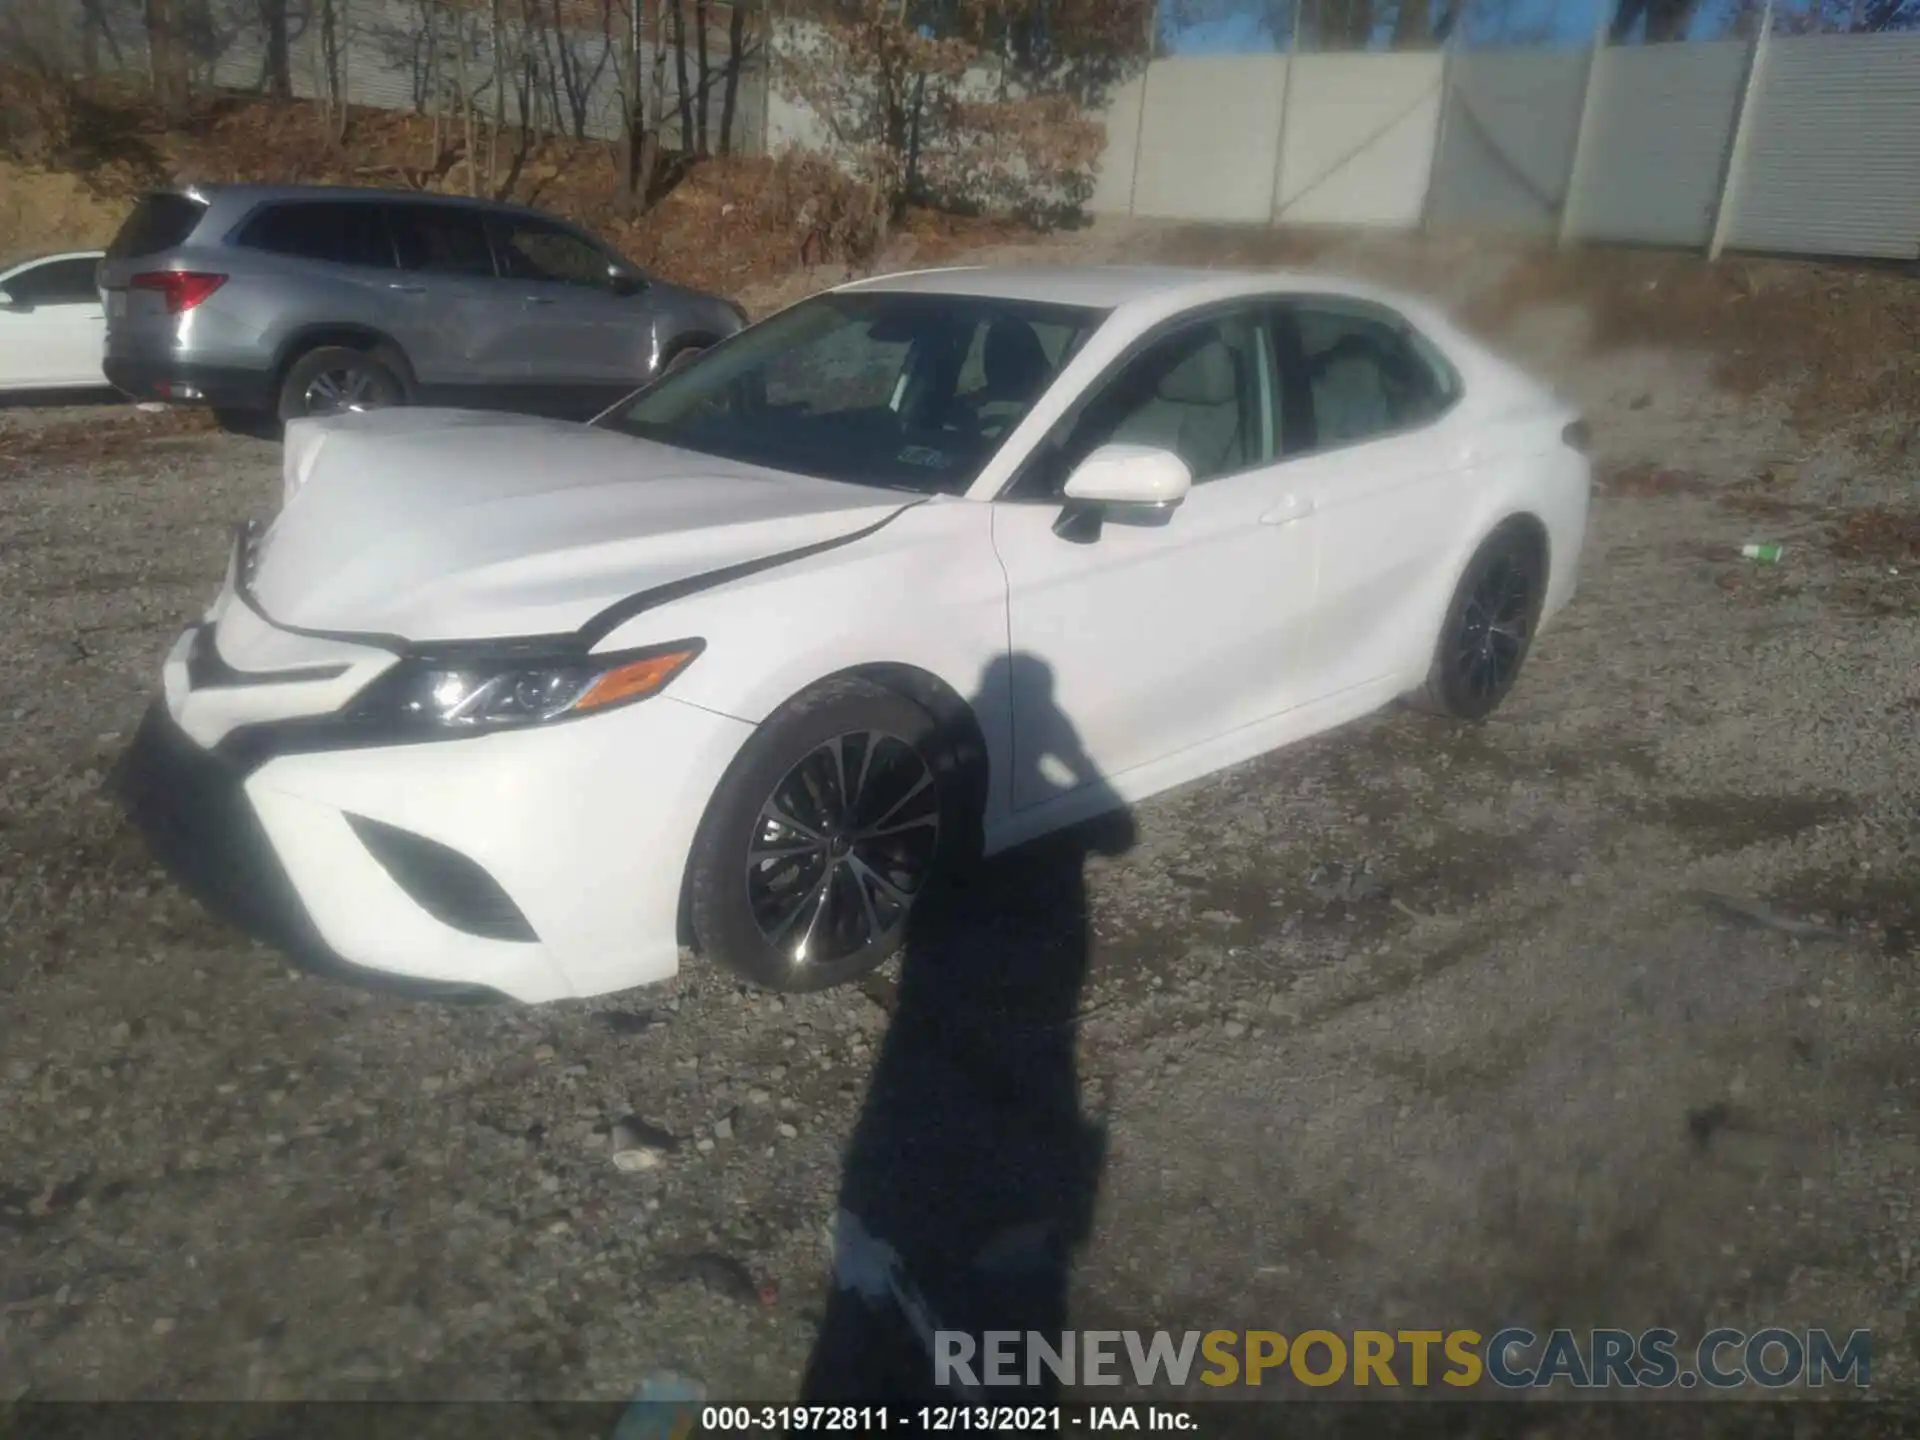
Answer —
290 301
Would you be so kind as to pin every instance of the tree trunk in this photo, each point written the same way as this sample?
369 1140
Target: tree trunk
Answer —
279 62
165 57
656 114
703 67
736 46
680 74
499 116
1412 25
632 114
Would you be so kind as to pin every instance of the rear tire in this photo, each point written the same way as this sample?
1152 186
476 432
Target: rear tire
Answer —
336 380
867 794
1489 625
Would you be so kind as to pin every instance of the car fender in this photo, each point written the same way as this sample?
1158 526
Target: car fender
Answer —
924 593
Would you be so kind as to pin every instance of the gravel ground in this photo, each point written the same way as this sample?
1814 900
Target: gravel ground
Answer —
1602 1013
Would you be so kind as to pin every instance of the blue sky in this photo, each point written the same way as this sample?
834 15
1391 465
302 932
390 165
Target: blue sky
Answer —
1490 22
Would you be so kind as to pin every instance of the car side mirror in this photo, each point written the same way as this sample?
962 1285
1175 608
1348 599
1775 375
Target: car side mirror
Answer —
625 282
1130 484
13 306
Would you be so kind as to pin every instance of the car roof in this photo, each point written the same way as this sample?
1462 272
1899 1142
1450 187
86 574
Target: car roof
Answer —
1112 287
40 257
244 193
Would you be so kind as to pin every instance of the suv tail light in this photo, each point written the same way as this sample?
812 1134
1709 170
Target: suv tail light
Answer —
181 289
1578 436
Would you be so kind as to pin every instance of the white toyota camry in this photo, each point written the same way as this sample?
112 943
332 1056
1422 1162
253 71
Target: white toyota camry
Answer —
920 568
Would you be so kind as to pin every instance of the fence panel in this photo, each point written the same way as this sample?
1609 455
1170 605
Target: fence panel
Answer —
1832 163
1210 137
1113 180
1360 134
1656 149
1506 147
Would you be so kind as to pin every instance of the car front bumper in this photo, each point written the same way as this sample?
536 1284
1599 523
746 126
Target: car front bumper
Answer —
532 865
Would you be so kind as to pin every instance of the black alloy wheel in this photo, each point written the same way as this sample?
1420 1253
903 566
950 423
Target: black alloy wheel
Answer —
1490 624
830 825
844 844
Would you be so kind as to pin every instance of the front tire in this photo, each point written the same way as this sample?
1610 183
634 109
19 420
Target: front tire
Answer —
823 835
1489 625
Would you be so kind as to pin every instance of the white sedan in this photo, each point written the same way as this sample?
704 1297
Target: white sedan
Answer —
923 567
52 327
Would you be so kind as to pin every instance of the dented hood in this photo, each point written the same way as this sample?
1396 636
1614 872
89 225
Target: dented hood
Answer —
439 525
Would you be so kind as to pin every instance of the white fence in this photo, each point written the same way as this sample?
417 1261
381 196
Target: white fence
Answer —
1799 145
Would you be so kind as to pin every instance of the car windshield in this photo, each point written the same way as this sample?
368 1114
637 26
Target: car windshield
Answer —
905 390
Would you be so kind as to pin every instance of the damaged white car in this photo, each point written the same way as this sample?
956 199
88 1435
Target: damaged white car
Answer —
921 568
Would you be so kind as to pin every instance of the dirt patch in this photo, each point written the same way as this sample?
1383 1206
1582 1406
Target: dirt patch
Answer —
1645 480
1845 338
43 211
118 433
1887 536
1884 901
1732 821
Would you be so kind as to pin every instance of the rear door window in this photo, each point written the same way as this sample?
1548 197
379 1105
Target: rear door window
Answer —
1355 372
56 282
160 221
441 240
341 232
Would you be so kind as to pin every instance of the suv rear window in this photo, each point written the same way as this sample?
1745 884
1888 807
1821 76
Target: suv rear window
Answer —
344 232
159 222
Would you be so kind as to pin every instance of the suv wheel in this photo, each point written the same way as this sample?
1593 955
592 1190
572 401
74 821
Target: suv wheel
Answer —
334 380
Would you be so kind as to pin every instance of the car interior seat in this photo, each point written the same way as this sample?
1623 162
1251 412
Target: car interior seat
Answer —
1195 412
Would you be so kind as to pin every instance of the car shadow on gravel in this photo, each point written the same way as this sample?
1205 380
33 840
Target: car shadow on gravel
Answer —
970 1180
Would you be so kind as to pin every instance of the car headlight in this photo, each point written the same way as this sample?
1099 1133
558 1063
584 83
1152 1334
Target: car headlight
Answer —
488 694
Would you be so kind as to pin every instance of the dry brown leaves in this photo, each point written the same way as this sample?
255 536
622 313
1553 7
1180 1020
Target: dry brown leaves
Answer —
116 433
1884 535
1846 339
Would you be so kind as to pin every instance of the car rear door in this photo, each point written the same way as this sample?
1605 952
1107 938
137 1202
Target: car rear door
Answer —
457 320
1374 450
1161 636
53 332
575 329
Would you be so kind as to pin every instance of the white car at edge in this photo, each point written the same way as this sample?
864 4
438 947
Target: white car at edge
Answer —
925 566
53 326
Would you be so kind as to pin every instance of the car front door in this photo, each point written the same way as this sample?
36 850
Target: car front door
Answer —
52 326
1370 448
1156 637
457 320
575 330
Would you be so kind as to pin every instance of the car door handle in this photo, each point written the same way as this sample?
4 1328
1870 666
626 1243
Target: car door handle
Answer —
409 289
1293 507
539 300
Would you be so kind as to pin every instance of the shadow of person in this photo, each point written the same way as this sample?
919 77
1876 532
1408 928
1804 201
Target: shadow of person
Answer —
970 1180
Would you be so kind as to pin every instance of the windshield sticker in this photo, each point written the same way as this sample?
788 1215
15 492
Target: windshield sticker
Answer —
927 458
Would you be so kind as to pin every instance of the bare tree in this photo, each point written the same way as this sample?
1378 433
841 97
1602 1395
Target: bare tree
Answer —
277 67
705 71
677 10
167 56
1665 20
331 61
740 49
